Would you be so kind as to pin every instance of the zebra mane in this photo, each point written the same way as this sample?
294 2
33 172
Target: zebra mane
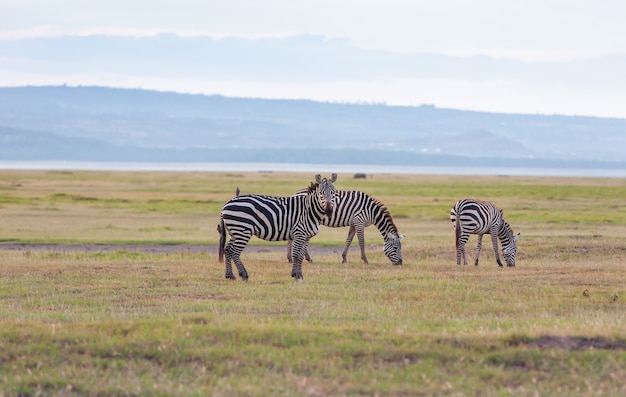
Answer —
304 191
386 213
506 227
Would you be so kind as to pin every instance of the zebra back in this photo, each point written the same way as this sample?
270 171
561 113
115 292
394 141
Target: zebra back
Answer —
476 217
273 218
354 203
269 217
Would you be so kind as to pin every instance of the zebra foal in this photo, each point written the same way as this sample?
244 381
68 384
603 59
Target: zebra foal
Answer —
271 218
358 210
470 216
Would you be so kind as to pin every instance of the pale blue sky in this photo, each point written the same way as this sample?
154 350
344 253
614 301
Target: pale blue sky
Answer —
538 32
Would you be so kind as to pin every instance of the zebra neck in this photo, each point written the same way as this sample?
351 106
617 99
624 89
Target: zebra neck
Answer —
383 221
505 234
386 228
312 202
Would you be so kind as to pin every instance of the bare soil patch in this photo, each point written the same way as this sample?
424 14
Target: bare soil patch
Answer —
572 343
158 248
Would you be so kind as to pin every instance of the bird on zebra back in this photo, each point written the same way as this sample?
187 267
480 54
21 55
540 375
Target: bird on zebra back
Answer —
358 210
469 216
273 218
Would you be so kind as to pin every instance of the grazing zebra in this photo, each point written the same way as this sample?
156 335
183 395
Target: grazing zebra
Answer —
294 218
358 210
481 217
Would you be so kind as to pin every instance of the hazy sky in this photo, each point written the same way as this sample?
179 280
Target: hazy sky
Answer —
540 33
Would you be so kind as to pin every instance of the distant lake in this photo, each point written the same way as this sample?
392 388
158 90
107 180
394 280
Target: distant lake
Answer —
286 167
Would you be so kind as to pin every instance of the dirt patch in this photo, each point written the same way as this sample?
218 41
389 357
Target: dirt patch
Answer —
158 248
571 342
149 248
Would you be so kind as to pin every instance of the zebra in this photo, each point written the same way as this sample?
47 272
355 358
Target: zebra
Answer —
271 218
470 216
359 210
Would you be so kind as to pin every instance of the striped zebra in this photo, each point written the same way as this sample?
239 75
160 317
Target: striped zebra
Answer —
271 218
482 217
358 210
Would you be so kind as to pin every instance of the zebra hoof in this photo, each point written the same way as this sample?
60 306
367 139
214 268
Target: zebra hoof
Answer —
230 277
244 276
297 276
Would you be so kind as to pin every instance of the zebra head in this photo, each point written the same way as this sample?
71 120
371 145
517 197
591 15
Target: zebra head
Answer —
326 193
393 248
509 250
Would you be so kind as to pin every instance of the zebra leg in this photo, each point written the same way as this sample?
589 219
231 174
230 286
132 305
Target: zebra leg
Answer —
306 253
289 258
298 248
234 250
360 233
494 240
243 273
344 254
479 247
461 249
229 265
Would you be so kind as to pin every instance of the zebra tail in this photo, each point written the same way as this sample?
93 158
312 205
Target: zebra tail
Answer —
457 232
222 231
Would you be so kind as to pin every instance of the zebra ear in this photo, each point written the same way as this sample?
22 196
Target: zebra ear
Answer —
516 237
318 178
396 236
333 177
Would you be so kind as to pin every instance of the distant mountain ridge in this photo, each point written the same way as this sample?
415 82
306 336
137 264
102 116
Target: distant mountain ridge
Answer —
109 124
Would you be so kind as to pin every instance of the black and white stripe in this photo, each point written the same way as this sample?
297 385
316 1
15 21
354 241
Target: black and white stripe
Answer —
271 218
358 210
482 217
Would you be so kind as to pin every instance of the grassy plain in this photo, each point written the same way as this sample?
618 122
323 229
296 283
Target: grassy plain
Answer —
132 323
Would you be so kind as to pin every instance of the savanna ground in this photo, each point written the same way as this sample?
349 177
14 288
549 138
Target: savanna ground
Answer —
110 285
